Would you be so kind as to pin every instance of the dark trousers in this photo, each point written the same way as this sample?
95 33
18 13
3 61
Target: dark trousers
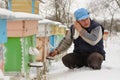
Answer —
77 60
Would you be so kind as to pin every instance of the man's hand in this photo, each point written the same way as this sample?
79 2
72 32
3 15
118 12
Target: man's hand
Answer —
77 26
53 53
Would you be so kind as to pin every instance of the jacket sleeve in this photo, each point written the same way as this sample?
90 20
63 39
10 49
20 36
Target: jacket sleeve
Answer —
93 37
65 43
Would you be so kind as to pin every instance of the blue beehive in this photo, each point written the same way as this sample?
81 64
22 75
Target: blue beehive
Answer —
4 15
52 42
3 33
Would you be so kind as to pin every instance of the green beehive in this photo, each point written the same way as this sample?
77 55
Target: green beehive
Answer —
21 38
17 55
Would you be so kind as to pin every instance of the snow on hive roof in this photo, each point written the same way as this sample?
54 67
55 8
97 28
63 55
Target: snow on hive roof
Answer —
26 16
46 21
62 26
43 1
57 23
6 14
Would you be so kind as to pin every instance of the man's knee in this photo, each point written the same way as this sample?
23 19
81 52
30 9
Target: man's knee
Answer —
67 60
95 60
64 59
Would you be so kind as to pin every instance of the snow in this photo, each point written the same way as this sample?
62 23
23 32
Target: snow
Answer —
2 77
6 14
43 1
107 17
2 4
79 4
36 64
62 26
26 16
47 21
110 68
1 74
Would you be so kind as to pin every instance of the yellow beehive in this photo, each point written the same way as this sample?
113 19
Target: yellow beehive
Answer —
60 30
63 31
25 6
56 30
53 30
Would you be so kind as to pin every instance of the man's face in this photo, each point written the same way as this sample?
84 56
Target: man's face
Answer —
85 22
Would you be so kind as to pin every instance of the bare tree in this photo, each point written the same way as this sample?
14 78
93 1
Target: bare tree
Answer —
59 10
62 10
106 8
118 2
3 4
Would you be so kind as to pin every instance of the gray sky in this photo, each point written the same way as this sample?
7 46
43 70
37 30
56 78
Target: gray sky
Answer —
78 4
75 5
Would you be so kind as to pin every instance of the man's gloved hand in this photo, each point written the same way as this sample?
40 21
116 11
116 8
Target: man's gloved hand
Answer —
53 53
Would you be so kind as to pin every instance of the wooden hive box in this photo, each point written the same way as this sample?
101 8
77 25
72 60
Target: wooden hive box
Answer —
18 56
22 35
44 30
53 30
22 28
4 16
63 31
3 33
3 39
56 30
29 6
41 47
1 58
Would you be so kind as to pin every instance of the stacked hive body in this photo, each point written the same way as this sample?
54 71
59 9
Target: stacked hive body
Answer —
29 6
21 39
3 39
4 16
54 36
58 32
48 37
44 32
62 31
21 35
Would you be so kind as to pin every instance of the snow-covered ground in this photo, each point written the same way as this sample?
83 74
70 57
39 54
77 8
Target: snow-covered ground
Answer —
2 77
110 68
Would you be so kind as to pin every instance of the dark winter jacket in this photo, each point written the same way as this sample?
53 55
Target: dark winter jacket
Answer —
90 41
81 46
